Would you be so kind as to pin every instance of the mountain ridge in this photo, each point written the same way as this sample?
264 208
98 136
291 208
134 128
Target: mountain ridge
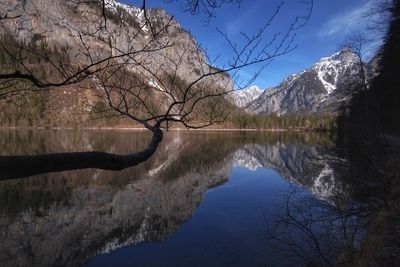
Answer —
320 88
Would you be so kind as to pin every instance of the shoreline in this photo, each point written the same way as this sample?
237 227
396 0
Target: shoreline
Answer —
144 129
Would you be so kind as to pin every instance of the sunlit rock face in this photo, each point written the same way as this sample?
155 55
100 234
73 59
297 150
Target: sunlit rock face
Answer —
59 23
74 26
323 87
242 98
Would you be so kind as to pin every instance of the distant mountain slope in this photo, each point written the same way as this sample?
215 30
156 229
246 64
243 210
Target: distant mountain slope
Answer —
320 88
242 98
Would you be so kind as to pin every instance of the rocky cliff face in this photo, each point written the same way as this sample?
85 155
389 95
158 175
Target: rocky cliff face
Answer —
79 30
320 88
242 98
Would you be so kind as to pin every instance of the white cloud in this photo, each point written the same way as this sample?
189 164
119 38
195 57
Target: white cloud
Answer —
349 21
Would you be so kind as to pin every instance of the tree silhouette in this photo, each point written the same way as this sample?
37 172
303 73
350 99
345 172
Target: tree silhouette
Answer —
138 67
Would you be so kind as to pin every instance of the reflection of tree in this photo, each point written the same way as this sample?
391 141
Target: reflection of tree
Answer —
363 129
372 149
148 69
317 232
17 144
144 203
68 217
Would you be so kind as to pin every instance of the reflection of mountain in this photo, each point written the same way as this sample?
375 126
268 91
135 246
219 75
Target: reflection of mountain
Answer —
299 163
68 217
100 218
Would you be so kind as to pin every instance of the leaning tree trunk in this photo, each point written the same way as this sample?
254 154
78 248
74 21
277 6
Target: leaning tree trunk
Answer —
28 165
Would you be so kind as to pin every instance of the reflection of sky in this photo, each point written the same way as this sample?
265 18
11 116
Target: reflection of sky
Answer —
330 24
224 231
225 226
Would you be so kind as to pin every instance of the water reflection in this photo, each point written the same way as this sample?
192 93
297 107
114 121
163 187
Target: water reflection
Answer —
66 218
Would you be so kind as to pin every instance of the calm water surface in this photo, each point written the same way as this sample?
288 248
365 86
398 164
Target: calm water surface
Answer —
204 199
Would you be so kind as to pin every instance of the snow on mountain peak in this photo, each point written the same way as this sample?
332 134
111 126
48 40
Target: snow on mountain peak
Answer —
328 69
323 86
242 98
113 6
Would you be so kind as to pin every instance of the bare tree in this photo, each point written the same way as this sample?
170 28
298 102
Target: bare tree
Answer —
357 44
318 232
139 66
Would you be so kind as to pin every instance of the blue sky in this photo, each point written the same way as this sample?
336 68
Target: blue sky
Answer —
330 23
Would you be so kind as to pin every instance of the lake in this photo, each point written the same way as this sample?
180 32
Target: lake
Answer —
205 198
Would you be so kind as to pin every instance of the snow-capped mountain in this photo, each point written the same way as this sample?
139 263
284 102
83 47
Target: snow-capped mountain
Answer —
320 88
242 98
